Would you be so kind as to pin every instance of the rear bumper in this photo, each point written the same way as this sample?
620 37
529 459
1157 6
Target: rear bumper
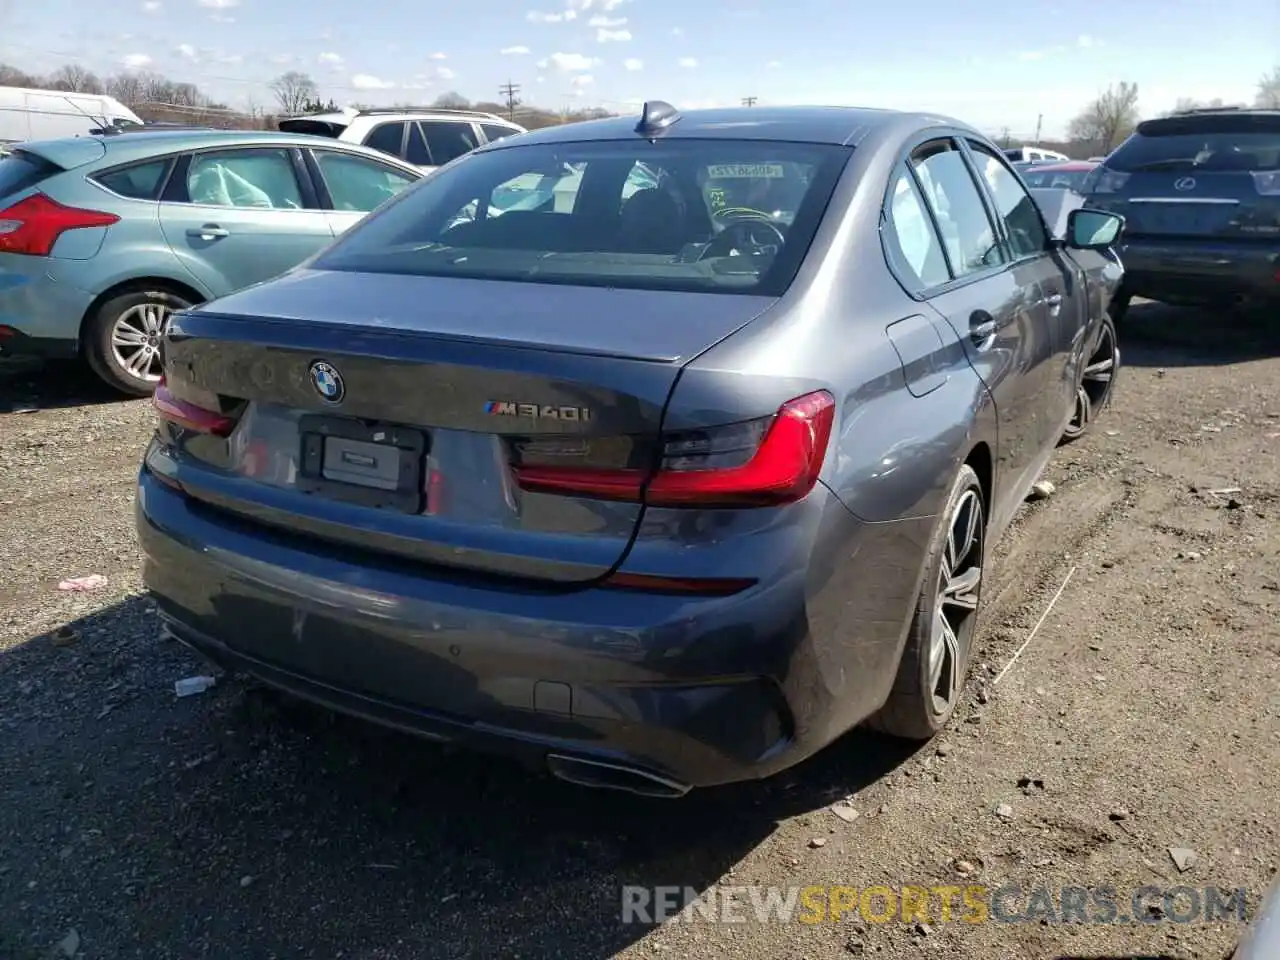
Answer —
1195 272
39 315
690 692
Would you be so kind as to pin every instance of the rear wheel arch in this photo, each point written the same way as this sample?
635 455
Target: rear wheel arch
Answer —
979 459
138 285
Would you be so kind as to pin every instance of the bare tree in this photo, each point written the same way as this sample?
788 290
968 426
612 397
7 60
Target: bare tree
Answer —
126 87
13 77
1269 90
452 100
1186 104
1108 119
294 90
74 78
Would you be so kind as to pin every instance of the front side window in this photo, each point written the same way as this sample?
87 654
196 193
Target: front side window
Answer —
357 184
715 215
910 236
962 218
447 140
493 131
1027 234
261 179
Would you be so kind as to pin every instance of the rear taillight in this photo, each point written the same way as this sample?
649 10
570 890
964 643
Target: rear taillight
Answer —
764 462
189 416
1267 182
1102 180
33 225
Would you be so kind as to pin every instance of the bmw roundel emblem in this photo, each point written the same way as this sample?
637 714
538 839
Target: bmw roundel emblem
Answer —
327 381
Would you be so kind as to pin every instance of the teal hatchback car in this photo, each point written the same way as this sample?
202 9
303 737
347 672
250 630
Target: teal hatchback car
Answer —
103 237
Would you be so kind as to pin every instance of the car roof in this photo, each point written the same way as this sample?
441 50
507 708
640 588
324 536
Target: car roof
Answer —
799 124
126 145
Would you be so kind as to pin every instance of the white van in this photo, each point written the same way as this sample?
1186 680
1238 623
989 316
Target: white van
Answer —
51 114
1034 155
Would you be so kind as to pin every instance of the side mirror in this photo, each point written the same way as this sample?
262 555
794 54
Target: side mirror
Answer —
1093 229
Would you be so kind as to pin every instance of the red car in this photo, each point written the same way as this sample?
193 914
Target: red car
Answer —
1069 175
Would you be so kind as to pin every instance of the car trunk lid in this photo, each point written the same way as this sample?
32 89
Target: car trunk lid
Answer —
384 412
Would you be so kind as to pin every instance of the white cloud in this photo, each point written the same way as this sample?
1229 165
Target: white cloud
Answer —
583 5
677 31
774 64
536 16
444 73
514 51
688 62
364 81
229 59
613 36
221 18
439 56
218 4
331 59
1028 55
612 4
570 62
281 59
1084 40
633 64
187 51
607 22
580 83
136 61
151 6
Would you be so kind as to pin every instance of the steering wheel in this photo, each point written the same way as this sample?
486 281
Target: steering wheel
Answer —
745 229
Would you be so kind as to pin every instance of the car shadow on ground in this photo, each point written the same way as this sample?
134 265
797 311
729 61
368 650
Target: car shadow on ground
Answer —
51 385
1162 336
240 816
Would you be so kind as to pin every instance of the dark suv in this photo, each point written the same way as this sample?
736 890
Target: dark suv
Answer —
1200 193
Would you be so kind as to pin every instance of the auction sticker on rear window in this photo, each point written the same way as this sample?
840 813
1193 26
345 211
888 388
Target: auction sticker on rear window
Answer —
746 171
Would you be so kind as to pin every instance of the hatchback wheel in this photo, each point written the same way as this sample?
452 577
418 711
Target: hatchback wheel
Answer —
1096 382
122 343
935 661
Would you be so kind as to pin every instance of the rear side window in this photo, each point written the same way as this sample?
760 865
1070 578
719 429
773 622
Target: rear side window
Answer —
715 215
909 237
22 170
952 194
140 181
448 140
389 138
1244 143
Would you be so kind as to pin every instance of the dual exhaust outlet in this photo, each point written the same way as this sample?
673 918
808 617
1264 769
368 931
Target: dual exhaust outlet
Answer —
614 776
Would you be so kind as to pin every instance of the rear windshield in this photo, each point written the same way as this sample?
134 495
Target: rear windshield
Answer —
21 170
716 215
1241 143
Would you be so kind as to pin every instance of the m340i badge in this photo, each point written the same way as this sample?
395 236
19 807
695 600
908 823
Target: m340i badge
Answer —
537 411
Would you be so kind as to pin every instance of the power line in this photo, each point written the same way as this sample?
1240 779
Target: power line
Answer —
749 101
508 91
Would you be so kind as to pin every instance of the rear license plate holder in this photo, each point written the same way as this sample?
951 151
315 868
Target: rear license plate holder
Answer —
370 464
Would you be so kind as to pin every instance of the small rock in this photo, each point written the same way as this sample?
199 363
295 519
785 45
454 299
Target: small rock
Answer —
1118 814
983 696
246 880
1108 564
973 718
1030 783
1004 811
68 946
942 750
923 929
1183 858
1042 490
1039 691
845 811
818 842
964 867
65 636
1191 555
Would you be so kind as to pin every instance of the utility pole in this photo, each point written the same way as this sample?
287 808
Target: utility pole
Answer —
508 91
749 101
1004 137
1039 122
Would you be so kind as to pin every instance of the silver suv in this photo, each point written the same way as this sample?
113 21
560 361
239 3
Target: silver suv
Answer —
427 137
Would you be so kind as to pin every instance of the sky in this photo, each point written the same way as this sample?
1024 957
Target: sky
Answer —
999 65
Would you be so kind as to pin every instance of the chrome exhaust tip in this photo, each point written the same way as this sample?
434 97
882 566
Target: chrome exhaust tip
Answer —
614 776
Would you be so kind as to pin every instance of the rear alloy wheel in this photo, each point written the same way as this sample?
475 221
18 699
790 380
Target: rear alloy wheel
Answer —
935 662
1093 395
123 339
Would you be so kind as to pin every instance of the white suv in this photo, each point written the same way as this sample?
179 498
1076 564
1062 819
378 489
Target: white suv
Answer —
427 137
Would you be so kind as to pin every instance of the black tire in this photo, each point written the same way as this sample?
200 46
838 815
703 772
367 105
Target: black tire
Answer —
98 347
913 711
1097 381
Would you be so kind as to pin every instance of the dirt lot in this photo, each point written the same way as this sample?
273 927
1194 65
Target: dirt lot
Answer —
1143 716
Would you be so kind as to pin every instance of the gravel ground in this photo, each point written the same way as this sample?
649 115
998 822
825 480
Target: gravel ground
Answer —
1143 716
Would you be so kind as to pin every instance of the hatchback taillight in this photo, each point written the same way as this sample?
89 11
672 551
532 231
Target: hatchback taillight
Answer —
764 462
33 225
1267 182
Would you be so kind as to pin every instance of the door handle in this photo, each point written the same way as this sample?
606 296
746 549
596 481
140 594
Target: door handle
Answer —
1054 299
982 328
210 231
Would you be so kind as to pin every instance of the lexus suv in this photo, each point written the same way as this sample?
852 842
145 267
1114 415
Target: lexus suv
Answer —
1200 194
